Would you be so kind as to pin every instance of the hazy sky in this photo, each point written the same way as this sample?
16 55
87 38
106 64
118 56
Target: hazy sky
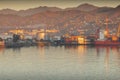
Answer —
25 4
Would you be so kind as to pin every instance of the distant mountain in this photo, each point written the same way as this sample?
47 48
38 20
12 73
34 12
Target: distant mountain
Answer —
54 17
37 10
118 7
108 11
29 11
103 9
84 7
10 20
116 12
7 11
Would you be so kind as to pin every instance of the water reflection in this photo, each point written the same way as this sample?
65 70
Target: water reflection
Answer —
1 49
41 51
111 53
61 63
81 49
107 54
108 49
16 50
115 49
73 47
107 59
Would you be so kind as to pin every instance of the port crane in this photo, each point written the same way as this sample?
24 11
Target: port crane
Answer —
118 31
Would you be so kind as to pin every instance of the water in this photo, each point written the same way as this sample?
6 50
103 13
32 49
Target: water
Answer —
60 63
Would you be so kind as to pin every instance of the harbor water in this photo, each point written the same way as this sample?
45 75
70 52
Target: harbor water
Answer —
60 63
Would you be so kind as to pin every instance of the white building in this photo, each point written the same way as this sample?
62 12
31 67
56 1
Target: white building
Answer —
101 35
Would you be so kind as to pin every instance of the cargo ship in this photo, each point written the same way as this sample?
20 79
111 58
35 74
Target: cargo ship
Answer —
105 39
108 41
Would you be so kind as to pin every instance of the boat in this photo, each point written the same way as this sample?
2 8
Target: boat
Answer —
111 41
43 43
2 44
105 39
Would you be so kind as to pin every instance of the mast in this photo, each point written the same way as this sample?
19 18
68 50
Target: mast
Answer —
107 29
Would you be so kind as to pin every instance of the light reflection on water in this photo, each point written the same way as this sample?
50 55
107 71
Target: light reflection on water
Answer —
60 63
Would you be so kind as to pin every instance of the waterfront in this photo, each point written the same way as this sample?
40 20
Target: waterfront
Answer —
60 63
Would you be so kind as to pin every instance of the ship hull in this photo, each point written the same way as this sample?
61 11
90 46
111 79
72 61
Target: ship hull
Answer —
107 43
43 43
2 44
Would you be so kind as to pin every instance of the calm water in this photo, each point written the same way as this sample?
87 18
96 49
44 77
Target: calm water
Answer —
60 63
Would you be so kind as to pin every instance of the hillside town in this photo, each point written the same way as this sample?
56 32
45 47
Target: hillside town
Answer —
78 25
43 37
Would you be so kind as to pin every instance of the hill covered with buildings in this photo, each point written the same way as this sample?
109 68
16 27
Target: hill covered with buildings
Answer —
85 17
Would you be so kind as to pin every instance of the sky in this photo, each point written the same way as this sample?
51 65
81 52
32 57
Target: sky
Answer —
26 4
